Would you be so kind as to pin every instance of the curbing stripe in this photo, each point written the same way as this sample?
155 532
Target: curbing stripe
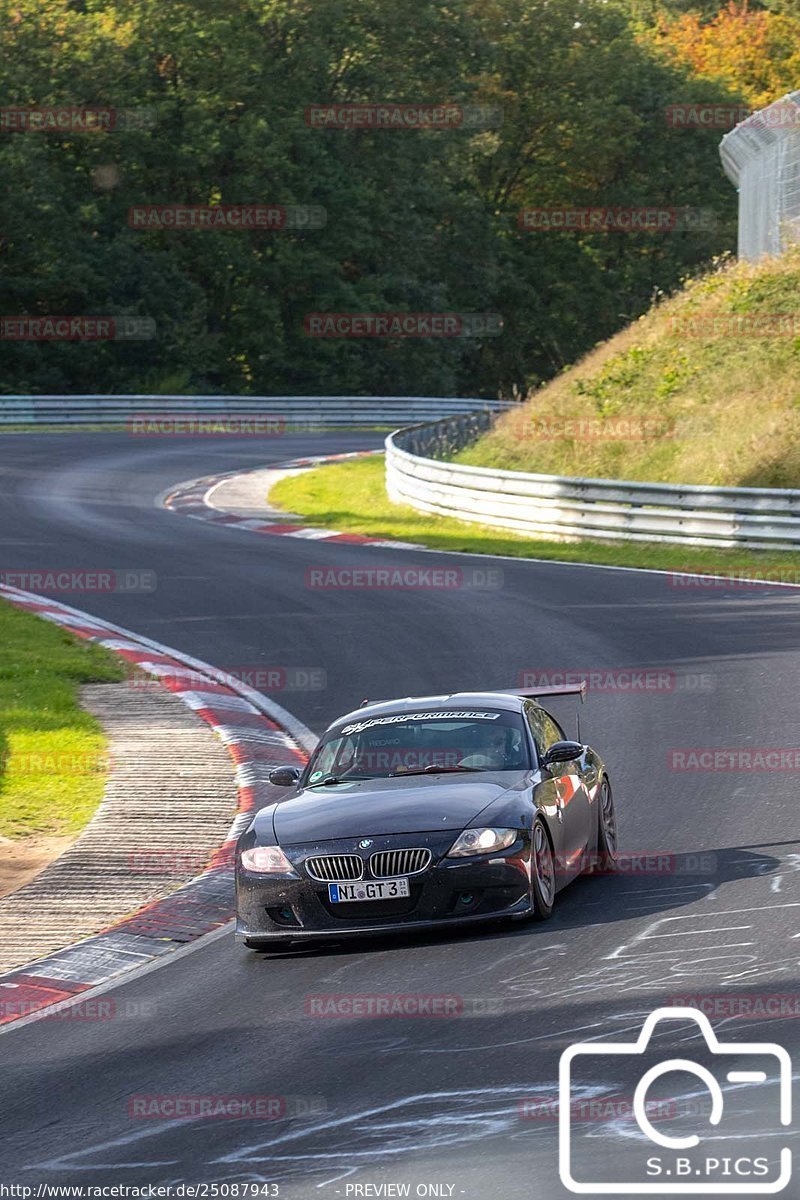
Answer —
193 499
301 734
173 500
258 734
218 700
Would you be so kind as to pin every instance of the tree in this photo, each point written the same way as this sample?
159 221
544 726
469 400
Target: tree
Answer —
754 52
417 220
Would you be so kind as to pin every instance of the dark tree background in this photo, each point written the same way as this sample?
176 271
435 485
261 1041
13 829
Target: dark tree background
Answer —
421 221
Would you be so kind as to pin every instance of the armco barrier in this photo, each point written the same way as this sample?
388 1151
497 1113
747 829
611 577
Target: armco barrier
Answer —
570 509
291 411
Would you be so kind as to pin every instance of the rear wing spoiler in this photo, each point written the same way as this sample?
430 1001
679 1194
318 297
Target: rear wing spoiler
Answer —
557 689
577 689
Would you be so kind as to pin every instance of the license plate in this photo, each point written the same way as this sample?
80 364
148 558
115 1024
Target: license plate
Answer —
386 889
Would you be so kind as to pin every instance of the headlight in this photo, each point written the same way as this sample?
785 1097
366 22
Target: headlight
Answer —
482 841
268 860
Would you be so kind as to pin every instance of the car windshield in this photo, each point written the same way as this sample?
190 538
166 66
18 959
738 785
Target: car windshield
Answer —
420 742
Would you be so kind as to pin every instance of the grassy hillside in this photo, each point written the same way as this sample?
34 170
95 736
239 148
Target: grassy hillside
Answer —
53 754
689 393
351 497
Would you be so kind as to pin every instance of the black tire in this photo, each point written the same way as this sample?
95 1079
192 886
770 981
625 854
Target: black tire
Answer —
606 830
543 872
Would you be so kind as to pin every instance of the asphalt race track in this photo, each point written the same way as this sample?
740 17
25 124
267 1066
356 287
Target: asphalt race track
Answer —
420 1101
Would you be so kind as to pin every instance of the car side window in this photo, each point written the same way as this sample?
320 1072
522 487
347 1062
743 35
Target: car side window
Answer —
552 732
543 727
533 716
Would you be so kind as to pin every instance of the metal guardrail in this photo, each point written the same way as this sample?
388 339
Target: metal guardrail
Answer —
289 411
570 509
417 473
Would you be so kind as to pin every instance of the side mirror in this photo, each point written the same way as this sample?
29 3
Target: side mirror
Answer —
284 776
561 752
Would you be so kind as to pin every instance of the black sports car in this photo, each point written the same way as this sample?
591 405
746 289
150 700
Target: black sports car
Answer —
433 811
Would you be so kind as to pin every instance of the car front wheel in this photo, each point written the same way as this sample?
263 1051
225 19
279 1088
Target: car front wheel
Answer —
543 872
606 829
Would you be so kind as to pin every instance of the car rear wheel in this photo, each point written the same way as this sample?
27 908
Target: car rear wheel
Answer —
606 829
543 872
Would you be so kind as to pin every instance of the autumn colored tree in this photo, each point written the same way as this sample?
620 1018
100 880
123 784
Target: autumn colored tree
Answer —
753 51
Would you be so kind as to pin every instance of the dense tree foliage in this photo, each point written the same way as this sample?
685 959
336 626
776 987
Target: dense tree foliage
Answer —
748 49
416 220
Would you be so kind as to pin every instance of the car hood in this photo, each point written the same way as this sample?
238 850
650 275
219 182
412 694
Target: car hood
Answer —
418 804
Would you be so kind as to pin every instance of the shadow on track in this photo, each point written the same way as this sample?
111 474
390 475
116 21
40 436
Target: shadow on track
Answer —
656 885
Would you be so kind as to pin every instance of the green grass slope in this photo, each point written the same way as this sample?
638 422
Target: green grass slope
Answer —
351 497
704 388
53 754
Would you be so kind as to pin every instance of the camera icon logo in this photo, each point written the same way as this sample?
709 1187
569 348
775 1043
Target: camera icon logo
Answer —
694 1163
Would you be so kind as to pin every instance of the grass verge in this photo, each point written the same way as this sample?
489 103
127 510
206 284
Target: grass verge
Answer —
351 497
701 389
53 755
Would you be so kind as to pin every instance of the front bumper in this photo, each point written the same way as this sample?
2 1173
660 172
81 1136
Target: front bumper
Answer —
449 892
